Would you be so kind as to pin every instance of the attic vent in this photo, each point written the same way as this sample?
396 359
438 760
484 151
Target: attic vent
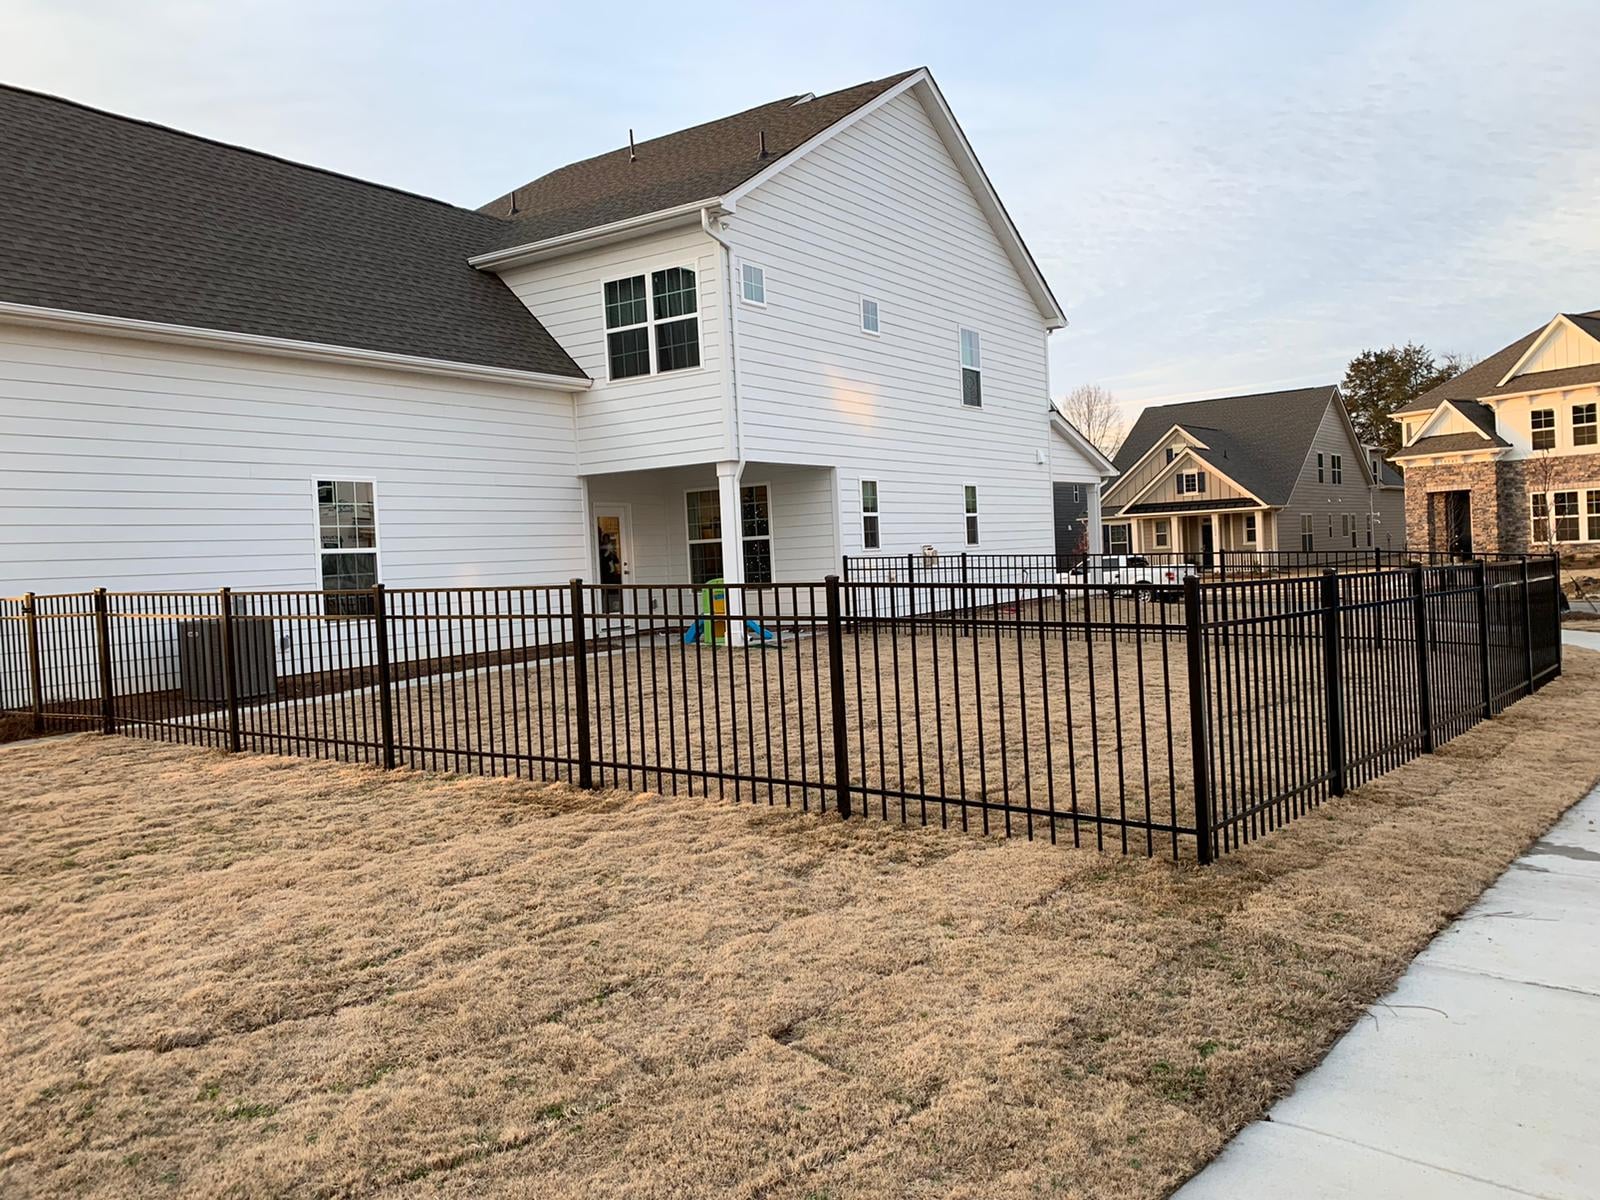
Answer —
806 99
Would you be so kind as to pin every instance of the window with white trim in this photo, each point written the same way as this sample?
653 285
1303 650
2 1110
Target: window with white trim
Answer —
1307 538
1583 424
1347 528
347 541
753 281
969 506
869 315
1163 534
1336 465
1116 539
869 515
705 534
1191 483
1543 422
1591 511
971 369
1572 515
654 330
1250 529
1320 478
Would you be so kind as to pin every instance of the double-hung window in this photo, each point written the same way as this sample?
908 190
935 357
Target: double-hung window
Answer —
1191 483
870 539
753 281
347 539
1250 529
1163 534
1566 513
1591 510
969 506
971 369
1116 539
1307 538
1320 474
1583 424
656 328
1337 465
1544 428
869 315
1540 506
705 534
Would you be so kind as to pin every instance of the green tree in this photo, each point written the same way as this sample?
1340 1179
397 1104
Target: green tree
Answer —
1378 383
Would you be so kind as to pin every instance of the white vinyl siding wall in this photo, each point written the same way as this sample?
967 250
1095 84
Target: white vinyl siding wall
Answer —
649 421
136 464
881 210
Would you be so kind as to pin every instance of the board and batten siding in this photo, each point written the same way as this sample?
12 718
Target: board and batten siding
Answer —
648 421
881 210
134 464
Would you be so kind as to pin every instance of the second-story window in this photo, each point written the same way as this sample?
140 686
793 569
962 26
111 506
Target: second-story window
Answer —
1544 428
1320 473
869 514
869 315
1583 424
971 369
754 282
652 329
1191 483
1337 466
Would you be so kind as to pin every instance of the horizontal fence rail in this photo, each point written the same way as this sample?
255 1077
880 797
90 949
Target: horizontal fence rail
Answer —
1187 718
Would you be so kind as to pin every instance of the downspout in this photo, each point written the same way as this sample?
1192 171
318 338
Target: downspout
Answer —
709 226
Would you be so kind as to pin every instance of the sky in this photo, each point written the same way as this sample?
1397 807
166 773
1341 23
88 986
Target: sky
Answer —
1226 198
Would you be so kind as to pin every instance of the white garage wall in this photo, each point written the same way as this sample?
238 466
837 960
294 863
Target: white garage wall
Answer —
134 464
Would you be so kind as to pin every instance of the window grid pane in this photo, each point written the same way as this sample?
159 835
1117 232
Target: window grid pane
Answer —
1583 424
754 519
972 531
971 388
758 560
1544 428
678 345
625 302
705 562
869 496
869 531
674 293
705 516
629 353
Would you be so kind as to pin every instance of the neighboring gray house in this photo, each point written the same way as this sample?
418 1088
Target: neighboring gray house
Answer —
1275 471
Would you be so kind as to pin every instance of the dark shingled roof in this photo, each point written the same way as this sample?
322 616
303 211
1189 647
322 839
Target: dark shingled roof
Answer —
104 214
1261 441
1450 443
680 168
1483 380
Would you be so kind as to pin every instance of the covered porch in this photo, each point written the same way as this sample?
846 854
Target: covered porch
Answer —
672 526
1194 532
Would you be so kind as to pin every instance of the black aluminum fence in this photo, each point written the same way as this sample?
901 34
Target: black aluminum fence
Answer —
1188 721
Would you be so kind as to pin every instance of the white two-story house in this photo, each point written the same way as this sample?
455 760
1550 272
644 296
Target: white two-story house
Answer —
741 350
1505 457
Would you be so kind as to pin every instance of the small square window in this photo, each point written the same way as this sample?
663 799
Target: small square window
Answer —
755 283
869 315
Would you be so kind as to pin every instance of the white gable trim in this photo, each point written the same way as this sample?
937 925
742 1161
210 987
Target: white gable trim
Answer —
1083 445
1436 417
1178 464
589 239
1133 468
1534 347
27 314
944 123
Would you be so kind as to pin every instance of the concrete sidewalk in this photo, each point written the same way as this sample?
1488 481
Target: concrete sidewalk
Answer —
1478 1077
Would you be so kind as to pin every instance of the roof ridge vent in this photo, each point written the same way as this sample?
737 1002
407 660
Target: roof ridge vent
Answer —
806 99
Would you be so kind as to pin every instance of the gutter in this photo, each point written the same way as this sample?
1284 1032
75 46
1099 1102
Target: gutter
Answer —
223 339
495 260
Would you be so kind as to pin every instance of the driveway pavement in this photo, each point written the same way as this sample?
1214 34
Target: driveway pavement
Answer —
1478 1077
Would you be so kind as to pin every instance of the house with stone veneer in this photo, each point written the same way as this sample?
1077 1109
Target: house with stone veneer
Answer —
1505 457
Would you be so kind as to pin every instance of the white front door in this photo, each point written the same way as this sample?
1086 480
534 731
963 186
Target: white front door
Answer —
613 544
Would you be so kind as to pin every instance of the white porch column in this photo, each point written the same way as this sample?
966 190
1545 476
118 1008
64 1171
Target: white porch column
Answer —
1094 543
728 474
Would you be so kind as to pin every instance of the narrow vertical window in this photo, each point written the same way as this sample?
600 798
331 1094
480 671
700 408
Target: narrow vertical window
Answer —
869 315
970 507
1539 505
869 514
1320 478
1544 428
1583 424
1163 532
1250 529
1338 468
1566 512
347 535
1591 502
627 328
754 281
971 369
1307 538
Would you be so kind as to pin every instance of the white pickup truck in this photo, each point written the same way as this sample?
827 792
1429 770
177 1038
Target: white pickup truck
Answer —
1131 573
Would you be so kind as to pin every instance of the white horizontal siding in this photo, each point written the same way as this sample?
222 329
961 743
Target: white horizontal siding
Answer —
882 210
649 421
136 465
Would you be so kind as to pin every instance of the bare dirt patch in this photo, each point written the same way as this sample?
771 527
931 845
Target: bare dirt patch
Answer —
254 976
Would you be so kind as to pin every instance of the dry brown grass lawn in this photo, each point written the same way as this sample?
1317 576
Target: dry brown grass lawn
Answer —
258 977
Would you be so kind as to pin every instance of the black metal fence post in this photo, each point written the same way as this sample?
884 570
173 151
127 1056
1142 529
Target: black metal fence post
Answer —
1194 626
230 675
966 593
911 578
850 597
1480 583
1332 670
380 615
580 660
102 637
1419 617
30 610
841 734
1527 625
